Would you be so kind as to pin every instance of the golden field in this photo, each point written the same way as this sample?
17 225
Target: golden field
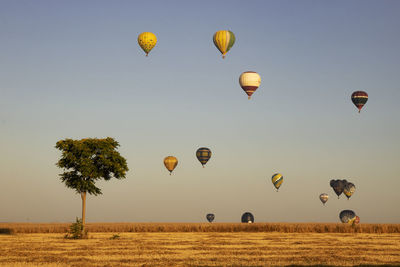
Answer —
206 227
202 245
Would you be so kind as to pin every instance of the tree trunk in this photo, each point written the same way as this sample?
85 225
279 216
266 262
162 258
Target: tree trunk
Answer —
83 196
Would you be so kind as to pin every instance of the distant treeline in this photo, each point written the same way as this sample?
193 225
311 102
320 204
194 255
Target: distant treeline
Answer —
203 227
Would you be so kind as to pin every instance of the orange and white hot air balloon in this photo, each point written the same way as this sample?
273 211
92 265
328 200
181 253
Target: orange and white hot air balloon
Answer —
249 81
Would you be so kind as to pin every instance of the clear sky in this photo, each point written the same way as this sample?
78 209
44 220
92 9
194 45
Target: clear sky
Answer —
73 69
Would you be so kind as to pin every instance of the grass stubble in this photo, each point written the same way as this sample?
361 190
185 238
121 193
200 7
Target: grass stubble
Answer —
202 245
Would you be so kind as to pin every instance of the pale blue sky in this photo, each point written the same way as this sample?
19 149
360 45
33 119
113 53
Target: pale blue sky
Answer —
73 69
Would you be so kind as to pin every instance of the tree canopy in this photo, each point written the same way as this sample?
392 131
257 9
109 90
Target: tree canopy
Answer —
87 160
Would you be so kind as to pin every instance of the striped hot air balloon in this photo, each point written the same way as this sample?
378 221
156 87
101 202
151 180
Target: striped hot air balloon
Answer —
277 180
147 41
349 189
249 81
359 99
324 198
170 163
203 154
224 41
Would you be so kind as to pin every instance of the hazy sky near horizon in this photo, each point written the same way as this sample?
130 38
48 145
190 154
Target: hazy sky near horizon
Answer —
73 69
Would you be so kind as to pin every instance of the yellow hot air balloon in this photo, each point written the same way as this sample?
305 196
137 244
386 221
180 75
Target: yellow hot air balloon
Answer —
249 81
224 40
277 180
170 163
147 41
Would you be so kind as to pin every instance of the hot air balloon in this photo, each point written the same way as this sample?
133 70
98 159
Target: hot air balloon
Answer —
349 189
247 217
359 99
224 40
249 81
170 163
210 217
324 198
203 154
147 41
277 180
347 216
338 186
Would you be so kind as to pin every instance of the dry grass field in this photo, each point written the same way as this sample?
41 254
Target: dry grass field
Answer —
206 227
197 245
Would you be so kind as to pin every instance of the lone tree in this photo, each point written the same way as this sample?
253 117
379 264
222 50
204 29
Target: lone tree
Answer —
88 160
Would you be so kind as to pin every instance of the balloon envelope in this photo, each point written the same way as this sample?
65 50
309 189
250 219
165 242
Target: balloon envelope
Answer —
203 154
224 41
359 99
170 163
277 180
247 217
210 217
147 41
347 216
324 198
349 189
338 186
249 81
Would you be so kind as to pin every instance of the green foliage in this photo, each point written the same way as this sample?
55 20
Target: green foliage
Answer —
87 160
116 236
77 231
